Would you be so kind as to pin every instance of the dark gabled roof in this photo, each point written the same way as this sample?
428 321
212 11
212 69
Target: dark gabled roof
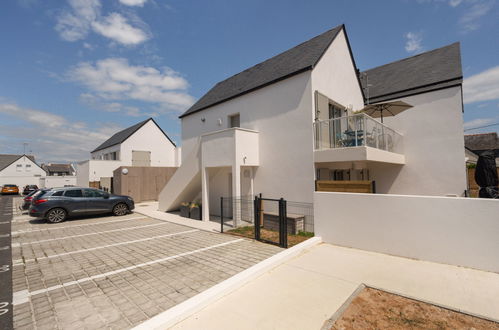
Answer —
6 159
121 136
481 142
436 69
52 168
291 62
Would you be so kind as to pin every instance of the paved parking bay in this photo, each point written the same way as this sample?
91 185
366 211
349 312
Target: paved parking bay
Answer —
115 272
5 263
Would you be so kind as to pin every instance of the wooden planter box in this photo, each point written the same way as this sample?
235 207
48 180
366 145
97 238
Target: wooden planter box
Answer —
184 211
295 222
196 213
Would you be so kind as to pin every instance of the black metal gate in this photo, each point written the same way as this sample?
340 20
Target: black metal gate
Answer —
281 222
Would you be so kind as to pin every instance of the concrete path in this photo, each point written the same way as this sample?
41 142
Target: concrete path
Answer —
305 291
151 210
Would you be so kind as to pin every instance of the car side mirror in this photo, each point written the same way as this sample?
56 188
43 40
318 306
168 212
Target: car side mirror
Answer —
106 196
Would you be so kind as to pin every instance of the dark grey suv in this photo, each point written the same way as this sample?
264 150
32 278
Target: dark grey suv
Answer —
57 204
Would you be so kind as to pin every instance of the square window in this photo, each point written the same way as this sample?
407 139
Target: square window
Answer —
234 121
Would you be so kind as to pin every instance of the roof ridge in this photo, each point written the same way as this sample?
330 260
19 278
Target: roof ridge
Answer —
284 51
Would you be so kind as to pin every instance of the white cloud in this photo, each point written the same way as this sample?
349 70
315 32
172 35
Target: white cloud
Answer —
483 86
75 24
100 104
85 15
455 3
413 42
478 122
139 3
470 21
116 27
116 79
56 138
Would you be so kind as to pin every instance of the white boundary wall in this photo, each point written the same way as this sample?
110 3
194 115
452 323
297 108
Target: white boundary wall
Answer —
450 230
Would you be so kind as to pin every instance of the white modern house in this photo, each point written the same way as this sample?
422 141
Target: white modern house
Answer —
143 144
291 121
20 170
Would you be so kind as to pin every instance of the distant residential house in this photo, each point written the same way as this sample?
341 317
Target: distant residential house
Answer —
143 144
58 169
481 142
20 170
284 125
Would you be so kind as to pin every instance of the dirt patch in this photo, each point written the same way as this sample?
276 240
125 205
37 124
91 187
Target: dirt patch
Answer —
270 235
376 309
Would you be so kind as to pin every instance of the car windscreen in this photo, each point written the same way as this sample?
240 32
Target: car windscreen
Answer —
10 186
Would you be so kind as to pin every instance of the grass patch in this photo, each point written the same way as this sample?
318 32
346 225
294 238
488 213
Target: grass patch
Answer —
270 235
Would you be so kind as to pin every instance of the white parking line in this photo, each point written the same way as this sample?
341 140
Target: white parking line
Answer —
95 233
20 261
73 226
24 295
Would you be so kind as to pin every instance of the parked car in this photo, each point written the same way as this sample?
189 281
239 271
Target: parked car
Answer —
27 199
10 189
56 204
28 189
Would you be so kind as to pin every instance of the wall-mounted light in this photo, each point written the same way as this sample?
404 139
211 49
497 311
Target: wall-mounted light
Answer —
203 119
124 171
219 121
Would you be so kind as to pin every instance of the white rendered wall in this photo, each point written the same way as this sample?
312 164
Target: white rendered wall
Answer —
282 115
433 147
149 138
10 174
335 77
451 230
57 181
82 173
100 153
93 170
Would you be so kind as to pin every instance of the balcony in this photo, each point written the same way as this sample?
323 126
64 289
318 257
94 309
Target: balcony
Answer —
357 138
232 146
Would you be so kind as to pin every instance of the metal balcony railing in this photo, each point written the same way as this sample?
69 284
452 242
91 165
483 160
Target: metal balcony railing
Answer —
356 131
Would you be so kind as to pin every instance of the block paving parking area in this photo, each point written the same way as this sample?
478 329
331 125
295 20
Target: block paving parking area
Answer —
116 272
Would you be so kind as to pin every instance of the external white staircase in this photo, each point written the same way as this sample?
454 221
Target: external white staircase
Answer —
185 184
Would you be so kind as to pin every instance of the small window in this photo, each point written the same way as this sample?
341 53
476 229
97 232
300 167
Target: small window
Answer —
28 167
19 167
234 121
73 193
58 193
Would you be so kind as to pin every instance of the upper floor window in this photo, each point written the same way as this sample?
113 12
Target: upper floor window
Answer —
19 167
28 167
234 121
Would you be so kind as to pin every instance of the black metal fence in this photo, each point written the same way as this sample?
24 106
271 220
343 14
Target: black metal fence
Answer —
277 217
236 212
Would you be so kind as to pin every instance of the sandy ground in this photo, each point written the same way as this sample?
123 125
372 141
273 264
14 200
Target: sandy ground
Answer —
376 309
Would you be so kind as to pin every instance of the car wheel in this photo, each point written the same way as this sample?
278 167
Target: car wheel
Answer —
120 209
56 215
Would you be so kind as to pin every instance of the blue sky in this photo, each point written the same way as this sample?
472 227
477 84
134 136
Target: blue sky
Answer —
73 72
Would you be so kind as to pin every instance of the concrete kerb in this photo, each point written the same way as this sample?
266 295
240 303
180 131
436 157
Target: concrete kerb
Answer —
185 309
197 224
